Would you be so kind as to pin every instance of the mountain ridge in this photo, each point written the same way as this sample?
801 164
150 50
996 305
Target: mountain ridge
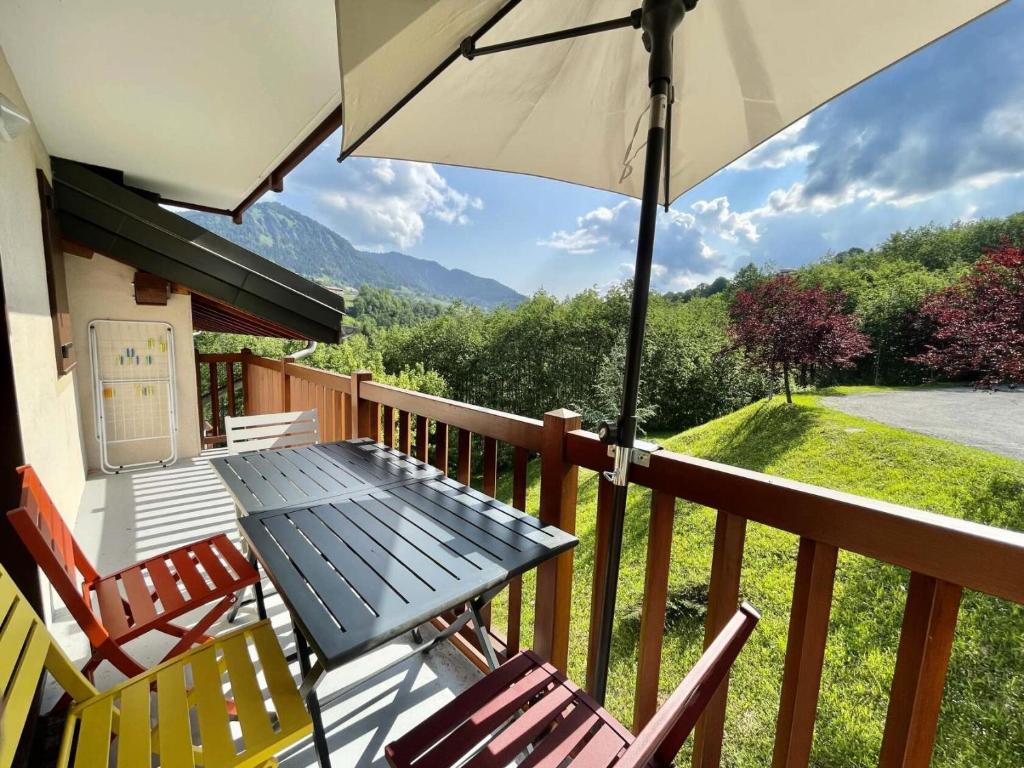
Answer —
314 250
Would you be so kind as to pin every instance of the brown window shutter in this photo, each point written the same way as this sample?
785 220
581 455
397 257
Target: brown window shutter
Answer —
55 278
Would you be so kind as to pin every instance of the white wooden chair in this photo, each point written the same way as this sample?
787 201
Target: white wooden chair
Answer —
269 431
272 430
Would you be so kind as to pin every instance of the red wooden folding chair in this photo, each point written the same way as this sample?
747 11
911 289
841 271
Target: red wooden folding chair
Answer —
529 708
138 599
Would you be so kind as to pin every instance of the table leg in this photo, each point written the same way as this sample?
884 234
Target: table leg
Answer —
482 635
313 704
240 595
257 588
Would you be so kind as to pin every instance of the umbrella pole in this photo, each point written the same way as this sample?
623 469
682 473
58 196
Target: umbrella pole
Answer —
659 21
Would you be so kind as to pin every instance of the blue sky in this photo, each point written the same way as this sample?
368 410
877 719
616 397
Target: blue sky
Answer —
937 138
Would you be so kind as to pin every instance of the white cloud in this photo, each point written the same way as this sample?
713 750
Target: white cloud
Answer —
684 254
379 204
717 216
784 148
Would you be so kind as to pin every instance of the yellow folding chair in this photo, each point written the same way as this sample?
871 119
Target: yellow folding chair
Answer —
151 714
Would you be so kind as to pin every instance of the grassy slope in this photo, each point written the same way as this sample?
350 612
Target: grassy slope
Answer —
983 714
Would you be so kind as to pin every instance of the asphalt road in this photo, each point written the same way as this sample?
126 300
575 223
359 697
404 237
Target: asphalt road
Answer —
992 421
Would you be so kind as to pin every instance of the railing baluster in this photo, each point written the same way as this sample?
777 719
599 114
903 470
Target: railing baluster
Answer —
490 486
464 457
404 432
805 653
199 396
246 369
601 529
726 564
652 617
229 369
520 466
422 438
389 426
441 446
214 399
929 623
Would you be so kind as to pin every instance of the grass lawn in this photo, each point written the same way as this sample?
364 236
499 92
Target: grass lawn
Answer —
982 722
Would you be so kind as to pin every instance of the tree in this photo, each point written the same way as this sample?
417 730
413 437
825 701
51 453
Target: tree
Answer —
779 324
979 321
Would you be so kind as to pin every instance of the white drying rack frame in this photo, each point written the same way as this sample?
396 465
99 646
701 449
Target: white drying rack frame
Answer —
165 382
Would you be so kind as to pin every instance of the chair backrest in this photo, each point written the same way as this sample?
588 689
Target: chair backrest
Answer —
272 430
48 539
663 737
26 649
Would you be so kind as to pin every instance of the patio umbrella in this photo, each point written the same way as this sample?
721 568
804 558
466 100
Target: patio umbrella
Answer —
584 92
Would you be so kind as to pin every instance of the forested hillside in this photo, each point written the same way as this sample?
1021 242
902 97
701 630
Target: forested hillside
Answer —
309 248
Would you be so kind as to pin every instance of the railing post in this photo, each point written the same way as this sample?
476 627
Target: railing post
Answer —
246 383
359 421
558 486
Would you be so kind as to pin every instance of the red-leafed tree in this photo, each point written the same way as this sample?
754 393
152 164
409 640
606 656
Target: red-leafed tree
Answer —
781 325
979 321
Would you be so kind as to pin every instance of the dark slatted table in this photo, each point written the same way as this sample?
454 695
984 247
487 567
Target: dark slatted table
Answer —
365 543
359 571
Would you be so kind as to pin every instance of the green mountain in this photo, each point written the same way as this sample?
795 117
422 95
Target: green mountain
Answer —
307 247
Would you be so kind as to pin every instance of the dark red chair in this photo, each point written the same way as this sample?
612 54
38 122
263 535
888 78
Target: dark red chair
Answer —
124 605
527 704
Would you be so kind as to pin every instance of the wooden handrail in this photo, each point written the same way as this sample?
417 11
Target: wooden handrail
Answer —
976 556
202 357
337 381
519 431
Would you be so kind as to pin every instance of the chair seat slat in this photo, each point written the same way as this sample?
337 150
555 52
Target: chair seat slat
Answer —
524 729
175 732
565 739
138 594
489 717
291 711
111 607
604 749
252 714
135 733
409 747
94 734
189 574
166 587
212 565
234 558
211 708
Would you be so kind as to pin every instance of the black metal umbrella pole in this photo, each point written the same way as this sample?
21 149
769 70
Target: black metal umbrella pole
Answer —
659 21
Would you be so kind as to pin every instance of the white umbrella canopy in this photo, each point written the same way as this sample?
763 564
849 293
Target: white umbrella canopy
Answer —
575 110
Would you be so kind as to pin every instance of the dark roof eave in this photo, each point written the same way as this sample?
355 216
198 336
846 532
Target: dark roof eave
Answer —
120 224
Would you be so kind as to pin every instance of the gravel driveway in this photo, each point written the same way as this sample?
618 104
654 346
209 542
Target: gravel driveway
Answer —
992 421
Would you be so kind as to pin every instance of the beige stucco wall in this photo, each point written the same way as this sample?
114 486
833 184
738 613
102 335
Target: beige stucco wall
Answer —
101 289
47 407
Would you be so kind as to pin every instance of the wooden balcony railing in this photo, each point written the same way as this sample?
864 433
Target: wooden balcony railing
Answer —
943 555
